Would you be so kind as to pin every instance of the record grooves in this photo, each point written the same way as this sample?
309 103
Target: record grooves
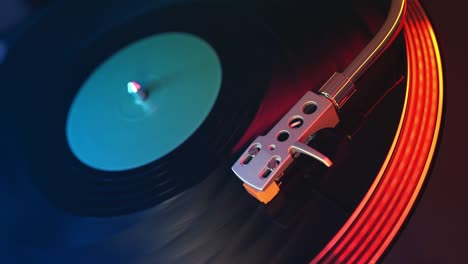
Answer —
82 190
188 207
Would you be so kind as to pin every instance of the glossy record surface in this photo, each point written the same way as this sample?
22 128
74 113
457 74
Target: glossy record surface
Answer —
217 221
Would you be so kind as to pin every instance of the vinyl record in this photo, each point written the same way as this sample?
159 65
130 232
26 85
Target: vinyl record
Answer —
69 52
141 217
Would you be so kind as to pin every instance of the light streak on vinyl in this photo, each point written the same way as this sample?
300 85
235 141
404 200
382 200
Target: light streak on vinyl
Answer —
379 217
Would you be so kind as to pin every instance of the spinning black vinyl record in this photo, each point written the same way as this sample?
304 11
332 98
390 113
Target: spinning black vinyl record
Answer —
222 56
167 94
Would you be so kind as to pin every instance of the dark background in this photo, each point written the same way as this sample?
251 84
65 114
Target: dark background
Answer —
437 232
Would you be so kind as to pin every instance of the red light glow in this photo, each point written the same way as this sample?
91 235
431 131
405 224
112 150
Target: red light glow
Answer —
378 218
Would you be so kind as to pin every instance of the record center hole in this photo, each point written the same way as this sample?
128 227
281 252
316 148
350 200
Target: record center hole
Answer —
283 136
309 108
296 122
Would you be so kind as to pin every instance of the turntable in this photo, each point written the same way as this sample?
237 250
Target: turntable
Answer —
216 131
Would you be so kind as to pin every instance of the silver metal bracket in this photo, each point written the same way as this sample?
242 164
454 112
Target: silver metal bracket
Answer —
338 89
269 156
